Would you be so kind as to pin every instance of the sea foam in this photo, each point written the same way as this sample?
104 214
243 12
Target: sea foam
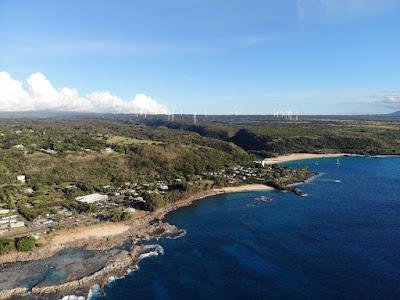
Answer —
94 292
72 297
152 250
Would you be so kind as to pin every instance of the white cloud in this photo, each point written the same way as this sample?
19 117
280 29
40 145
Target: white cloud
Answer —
38 93
392 98
387 99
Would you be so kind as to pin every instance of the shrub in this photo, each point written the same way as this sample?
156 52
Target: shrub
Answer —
6 246
118 215
26 244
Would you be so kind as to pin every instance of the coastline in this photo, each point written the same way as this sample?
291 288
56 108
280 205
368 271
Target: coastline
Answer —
300 156
143 228
209 193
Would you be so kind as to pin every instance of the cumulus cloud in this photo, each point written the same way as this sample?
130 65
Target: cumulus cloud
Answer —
38 93
388 99
392 99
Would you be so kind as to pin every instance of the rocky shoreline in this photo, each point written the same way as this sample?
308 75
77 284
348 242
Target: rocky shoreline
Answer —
143 229
117 266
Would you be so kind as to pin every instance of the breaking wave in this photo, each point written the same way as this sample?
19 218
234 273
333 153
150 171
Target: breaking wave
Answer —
73 297
151 250
331 180
94 292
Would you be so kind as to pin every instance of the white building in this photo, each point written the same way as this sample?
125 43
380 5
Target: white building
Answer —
8 219
19 147
4 211
92 198
10 222
17 224
129 210
163 187
21 178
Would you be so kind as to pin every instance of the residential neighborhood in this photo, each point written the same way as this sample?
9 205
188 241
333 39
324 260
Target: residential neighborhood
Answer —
128 198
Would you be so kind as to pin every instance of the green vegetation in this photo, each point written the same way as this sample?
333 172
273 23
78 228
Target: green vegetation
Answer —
277 137
317 137
66 158
123 140
77 157
117 215
26 244
6 246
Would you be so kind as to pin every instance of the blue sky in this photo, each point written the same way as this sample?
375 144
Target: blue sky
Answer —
221 56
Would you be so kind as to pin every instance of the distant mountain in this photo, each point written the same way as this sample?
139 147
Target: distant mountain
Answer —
395 114
50 114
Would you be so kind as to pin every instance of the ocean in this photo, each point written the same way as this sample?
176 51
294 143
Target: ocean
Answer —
341 241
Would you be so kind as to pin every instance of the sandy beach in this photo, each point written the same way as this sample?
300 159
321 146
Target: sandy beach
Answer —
245 188
90 232
298 156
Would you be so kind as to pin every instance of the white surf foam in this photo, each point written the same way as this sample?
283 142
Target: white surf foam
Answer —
72 297
154 250
94 292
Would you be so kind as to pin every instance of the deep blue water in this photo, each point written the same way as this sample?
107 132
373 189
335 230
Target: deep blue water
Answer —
342 241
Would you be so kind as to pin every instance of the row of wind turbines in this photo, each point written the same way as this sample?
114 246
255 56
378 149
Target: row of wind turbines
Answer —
286 115
283 115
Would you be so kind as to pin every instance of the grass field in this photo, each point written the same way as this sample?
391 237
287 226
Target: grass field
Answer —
123 140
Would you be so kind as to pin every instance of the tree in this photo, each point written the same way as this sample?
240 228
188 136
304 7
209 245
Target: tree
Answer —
6 246
118 215
154 201
26 244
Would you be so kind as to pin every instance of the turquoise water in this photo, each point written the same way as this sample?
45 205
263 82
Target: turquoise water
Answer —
342 241
67 265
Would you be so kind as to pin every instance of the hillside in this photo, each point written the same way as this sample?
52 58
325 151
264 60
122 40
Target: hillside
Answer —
47 165
273 137
395 114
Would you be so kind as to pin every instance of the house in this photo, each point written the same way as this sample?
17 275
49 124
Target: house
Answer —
92 198
8 219
18 147
4 211
139 199
129 210
10 222
47 222
17 224
163 187
21 178
28 191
